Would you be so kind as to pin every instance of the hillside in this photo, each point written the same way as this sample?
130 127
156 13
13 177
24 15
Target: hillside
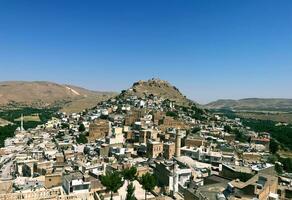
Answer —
253 104
41 94
158 88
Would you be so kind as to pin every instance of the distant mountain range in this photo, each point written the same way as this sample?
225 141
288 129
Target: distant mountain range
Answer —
47 94
41 94
253 104
70 98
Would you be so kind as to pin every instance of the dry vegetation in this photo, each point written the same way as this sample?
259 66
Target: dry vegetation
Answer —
286 154
4 122
41 94
253 104
277 117
84 103
29 118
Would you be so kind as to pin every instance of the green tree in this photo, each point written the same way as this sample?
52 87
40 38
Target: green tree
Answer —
282 134
112 181
287 164
227 129
240 136
81 128
81 139
5 132
130 174
274 146
65 126
278 168
172 114
131 192
148 181
196 129
272 159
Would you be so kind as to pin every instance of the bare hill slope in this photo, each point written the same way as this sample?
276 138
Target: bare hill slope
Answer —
47 94
273 104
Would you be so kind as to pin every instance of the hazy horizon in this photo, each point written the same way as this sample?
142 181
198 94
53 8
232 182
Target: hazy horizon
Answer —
118 91
210 50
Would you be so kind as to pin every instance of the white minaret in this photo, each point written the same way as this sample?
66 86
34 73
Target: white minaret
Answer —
110 130
175 178
177 143
21 123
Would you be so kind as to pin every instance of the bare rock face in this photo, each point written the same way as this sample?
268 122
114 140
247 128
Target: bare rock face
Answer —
156 87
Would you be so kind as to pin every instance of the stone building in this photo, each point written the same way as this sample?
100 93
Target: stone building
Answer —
147 134
134 116
53 180
75 183
169 122
154 149
194 141
168 150
157 117
260 187
98 129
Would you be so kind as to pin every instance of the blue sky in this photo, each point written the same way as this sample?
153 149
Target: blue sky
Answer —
209 49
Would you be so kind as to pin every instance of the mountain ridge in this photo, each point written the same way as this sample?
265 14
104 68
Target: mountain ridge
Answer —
252 104
48 94
71 98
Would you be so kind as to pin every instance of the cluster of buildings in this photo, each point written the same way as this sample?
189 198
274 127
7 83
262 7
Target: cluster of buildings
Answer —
191 157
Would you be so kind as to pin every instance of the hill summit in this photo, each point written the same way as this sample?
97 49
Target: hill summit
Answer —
156 87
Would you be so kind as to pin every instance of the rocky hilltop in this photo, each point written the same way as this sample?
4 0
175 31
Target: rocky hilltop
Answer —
156 87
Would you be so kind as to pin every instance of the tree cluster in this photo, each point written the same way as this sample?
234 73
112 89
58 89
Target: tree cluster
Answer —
115 180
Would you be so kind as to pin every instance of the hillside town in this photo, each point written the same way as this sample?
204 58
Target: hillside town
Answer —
141 147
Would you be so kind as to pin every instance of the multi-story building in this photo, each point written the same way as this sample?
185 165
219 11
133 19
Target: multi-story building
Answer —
98 129
168 150
172 175
53 180
75 183
260 186
154 149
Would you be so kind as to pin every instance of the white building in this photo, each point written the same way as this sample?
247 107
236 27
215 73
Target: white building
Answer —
74 183
172 175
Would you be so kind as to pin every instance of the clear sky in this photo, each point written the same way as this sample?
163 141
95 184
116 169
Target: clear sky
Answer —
209 49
